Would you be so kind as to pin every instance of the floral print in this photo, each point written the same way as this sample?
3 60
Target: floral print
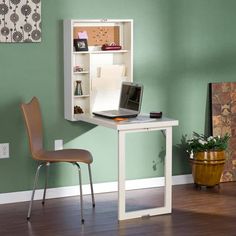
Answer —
223 106
20 21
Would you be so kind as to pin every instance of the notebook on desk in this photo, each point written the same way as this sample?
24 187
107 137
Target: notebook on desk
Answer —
130 102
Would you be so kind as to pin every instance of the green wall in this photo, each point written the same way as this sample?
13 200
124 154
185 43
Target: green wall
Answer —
179 47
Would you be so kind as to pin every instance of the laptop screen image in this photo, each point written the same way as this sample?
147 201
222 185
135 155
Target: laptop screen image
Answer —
130 97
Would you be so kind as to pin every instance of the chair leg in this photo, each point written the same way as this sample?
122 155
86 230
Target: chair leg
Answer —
91 184
35 184
81 193
46 182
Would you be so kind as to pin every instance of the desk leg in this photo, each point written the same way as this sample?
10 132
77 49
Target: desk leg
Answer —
168 171
122 214
121 175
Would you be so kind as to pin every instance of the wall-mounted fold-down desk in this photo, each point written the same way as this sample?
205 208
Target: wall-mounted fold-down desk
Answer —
141 125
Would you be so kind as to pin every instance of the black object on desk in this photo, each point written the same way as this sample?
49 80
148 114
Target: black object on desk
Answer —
155 114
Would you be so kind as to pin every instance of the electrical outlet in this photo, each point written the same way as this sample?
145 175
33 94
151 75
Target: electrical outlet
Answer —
4 150
58 144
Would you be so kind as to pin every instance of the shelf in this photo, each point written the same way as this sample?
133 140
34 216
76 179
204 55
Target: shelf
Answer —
81 72
97 93
79 80
81 96
78 116
101 52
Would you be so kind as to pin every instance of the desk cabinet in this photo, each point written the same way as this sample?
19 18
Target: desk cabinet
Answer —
100 91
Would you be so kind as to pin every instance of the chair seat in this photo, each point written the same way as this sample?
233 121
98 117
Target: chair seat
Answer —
65 155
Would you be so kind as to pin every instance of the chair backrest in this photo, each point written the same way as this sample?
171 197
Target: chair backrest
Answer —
33 120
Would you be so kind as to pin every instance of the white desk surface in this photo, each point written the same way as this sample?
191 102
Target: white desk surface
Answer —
141 122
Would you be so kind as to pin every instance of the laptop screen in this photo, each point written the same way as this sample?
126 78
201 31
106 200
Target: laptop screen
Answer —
131 96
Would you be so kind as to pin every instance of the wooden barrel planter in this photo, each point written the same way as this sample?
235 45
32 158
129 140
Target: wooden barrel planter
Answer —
207 167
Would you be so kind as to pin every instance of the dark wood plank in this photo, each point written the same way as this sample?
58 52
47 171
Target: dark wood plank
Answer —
195 212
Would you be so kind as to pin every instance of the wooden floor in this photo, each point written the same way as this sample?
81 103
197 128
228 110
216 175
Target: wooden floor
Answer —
195 212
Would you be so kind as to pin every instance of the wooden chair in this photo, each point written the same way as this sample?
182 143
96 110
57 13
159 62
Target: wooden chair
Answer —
33 121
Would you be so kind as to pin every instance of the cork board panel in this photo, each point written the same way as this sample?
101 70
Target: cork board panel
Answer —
223 107
99 35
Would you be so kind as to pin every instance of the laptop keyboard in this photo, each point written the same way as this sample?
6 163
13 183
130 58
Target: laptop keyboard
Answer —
117 112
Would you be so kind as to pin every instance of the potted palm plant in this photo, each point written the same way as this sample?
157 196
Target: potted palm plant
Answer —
207 158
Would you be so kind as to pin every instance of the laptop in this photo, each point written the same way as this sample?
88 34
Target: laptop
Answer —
130 102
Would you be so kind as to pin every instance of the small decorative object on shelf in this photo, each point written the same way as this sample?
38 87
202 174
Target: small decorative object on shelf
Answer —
81 45
78 69
111 46
78 110
78 88
207 158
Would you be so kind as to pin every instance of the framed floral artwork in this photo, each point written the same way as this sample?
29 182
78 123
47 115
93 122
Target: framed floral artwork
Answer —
223 118
20 21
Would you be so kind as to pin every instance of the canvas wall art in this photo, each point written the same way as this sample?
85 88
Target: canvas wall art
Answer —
223 106
20 21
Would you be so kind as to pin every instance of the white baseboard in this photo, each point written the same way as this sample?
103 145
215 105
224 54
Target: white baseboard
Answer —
98 188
